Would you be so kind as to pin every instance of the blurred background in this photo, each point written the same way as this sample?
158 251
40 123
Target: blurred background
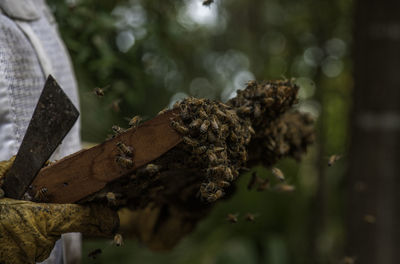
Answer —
146 54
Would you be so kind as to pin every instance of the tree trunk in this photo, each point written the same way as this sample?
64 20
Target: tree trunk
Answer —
374 159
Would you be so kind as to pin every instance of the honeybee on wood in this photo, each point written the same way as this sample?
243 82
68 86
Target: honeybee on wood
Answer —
284 187
332 159
117 130
215 196
124 162
124 149
232 218
41 195
93 254
278 174
207 2
179 127
190 142
98 91
135 121
163 111
118 240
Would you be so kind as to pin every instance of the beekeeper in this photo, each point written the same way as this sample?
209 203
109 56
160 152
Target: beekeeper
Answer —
30 50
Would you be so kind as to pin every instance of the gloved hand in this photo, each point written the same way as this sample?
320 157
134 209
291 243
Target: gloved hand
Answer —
28 230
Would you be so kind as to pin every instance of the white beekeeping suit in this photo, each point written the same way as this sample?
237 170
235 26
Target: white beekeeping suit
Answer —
30 50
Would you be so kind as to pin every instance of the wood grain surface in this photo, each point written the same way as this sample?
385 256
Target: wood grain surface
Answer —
88 171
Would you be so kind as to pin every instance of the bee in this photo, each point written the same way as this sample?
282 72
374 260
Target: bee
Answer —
202 114
215 196
263 185
179 128
217 171
278 174
250 217
224 130
228 174
209 187
332 159
232 218
124 162
117 130
111 199
268 101
190 142
118 240
218 149
41 195
244 110
348 260
98 91
211 137
200 150
204 126
152 169
115 105
220 114
163 111
231 116
251 130
223 184
93 254
195 123
369 218
284 188
212 157
207 2
214 124
135 121
124 149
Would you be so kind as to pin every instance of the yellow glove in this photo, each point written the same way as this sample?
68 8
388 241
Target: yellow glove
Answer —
28 230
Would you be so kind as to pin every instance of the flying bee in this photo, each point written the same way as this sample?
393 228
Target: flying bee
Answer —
124 162
284 187
278 174
41 195
215 196
118 240
98 91
135 121
195 123
115 105
232 218
180 128
207 2
250 217
204 126
124 149
93 254
332 159
190 142
117 130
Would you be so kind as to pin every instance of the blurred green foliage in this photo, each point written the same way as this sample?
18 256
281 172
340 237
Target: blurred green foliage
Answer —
148 54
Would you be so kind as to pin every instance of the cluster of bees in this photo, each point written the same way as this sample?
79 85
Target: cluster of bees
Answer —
215 140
